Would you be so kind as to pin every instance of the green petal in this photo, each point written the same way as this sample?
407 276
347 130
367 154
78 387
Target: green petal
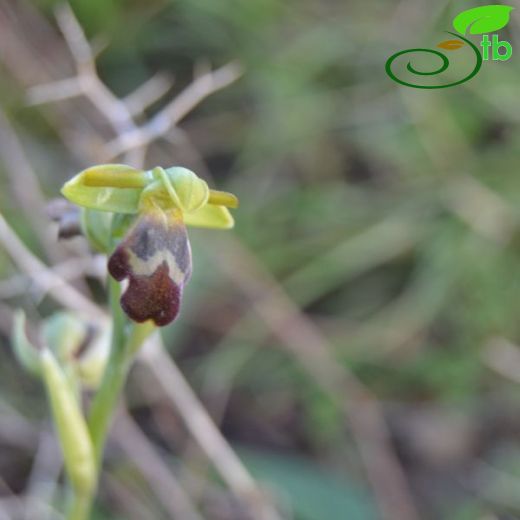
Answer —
210 216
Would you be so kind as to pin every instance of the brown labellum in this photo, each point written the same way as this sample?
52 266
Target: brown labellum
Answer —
155 256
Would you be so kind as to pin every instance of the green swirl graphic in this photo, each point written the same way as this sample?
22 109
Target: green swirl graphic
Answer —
445 64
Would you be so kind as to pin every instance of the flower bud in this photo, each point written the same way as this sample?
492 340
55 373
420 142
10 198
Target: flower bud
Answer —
91 360
79 348
64 333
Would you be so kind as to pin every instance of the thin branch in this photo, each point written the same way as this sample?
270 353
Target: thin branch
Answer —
120 112
48 280
201 87
311 349
204 431
148 93
162 480
113 108
25 186
67 270
74 35
56 91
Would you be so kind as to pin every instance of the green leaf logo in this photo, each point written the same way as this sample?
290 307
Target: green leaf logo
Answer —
480 20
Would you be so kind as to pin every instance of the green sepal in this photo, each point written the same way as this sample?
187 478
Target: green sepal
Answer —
117 200
96 226
120 225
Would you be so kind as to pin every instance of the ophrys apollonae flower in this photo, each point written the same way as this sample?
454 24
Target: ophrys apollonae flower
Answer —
155 253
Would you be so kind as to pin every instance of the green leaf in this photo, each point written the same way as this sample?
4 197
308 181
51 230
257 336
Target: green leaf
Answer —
76 445
27 354
311 492
480 20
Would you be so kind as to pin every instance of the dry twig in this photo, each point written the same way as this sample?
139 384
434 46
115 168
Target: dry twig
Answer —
203 86
132 140
204 431
48 280
163 482
25 186
66 270
311 349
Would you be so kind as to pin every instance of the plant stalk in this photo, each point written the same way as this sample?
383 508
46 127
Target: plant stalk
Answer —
126 340
80 507
114 377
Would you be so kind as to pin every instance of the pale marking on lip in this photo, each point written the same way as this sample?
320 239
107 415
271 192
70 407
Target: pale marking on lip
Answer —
148 267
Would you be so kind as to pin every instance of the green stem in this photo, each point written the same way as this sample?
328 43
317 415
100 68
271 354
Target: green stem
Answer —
80 507
124 347
126 340
114 377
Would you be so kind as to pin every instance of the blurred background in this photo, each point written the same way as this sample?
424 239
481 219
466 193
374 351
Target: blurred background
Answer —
356 337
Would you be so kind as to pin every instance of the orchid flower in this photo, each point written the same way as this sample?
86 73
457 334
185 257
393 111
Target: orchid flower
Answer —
155 253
